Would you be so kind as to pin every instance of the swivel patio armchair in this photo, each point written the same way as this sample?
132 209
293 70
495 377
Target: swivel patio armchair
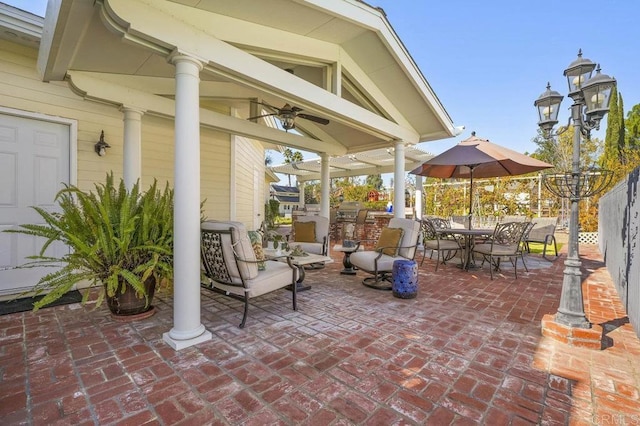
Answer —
379 262
311 233
231 267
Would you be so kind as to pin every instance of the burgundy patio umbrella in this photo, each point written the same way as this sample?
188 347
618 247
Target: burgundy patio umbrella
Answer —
479 158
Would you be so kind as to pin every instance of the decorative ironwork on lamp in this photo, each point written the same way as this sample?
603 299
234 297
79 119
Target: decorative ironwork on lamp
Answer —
101 146
591 98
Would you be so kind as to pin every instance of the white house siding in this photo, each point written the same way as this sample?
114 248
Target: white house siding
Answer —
22 89
249 155
215 173
157 150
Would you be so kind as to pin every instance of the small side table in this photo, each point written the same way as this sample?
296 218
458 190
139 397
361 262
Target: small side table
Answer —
405 279
346 261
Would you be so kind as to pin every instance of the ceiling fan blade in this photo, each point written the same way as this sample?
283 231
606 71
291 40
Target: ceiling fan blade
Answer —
270 107
313 118
263 115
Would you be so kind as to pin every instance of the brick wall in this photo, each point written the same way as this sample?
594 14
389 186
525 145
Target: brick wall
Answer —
367 233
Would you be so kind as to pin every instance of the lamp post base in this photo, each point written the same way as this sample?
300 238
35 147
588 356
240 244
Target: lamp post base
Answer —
588 338
571 309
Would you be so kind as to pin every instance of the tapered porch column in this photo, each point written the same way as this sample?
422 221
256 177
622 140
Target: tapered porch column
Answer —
324 185
187 329
132 155
398 181
418 195
302 203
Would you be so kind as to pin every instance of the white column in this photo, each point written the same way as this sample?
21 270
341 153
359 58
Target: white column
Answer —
418 195
539 194
398 181
187 329
324 185
132 155
302 203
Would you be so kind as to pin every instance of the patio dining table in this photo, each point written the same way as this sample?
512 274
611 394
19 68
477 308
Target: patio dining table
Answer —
469 236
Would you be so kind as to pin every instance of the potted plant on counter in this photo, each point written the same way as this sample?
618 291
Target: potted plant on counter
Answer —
119 239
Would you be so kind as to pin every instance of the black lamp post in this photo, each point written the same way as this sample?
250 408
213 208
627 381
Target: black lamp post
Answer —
591 96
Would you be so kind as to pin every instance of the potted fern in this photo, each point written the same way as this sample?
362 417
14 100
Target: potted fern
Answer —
119 239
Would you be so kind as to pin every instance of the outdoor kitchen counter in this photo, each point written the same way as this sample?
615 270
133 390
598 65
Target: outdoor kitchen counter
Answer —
376 221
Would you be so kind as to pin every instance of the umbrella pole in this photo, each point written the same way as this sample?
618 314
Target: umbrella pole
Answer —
470 196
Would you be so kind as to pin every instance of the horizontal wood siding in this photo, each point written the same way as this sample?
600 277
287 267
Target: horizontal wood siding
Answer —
215 173
249 155
22 89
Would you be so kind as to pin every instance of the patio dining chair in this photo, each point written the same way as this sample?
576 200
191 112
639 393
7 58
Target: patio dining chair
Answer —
361 220
399 240
445 246
505 243
542 231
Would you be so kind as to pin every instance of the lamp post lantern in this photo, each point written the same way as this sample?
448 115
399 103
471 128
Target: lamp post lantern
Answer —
591 96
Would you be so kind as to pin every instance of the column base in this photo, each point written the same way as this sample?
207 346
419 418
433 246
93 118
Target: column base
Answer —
181 344
588 338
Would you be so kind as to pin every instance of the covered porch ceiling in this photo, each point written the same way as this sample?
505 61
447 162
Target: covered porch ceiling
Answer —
372 162
335 59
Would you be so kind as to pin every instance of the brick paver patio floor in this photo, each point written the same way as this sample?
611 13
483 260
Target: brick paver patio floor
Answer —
467 350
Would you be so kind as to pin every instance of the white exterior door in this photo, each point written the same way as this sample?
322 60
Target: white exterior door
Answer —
34 162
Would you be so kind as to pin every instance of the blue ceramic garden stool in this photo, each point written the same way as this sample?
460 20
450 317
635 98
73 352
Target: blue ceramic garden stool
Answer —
405 279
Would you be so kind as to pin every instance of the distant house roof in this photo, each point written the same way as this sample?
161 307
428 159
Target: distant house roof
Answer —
286 194
288 198
282 188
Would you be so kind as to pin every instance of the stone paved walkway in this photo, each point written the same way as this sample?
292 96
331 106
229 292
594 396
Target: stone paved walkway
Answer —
467 350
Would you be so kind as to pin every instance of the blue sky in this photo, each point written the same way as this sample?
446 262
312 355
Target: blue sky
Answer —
488 61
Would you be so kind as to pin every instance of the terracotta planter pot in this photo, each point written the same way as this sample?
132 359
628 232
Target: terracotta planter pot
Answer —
128 303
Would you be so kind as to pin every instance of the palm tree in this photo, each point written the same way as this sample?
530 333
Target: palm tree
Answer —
291 156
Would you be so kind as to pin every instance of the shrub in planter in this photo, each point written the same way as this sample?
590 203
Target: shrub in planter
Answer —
119 239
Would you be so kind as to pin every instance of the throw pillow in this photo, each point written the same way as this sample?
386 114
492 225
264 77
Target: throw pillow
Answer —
305 232
390 238
256 243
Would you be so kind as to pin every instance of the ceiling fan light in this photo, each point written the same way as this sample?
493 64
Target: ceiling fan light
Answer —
288 121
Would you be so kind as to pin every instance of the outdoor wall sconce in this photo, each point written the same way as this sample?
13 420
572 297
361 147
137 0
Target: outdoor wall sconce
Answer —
101 146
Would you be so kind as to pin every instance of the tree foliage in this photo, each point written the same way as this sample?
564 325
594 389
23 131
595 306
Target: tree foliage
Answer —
632 128
375 181
614 139
291 156
559 150
312 192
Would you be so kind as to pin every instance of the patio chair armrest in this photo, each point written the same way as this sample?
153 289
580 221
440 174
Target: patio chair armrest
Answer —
381 249
240 259
289 258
